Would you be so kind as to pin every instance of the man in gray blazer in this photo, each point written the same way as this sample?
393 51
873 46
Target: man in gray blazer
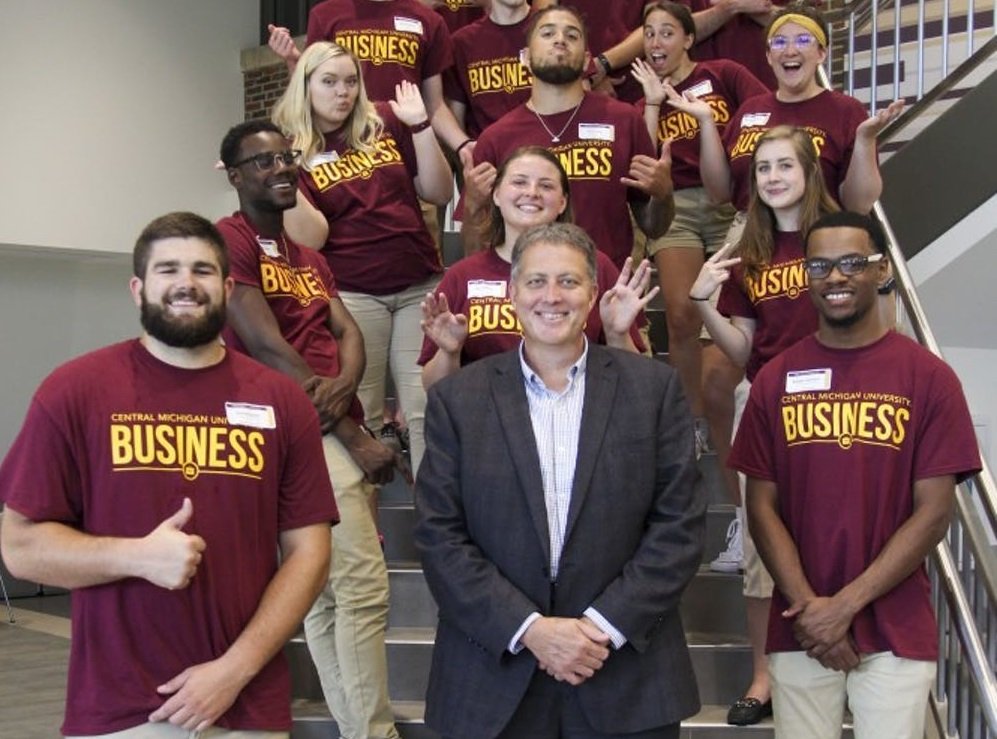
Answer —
559 521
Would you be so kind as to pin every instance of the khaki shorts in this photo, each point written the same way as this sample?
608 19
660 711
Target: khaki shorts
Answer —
698 224
758 582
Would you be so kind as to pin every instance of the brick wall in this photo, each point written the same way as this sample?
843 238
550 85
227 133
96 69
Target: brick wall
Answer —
264 77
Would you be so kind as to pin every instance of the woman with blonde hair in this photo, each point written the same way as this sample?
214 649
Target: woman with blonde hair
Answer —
764 308
365 166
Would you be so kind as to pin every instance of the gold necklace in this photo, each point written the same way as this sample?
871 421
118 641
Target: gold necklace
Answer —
554 138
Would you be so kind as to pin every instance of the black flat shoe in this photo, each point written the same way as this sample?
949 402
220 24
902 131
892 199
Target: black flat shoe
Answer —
747 711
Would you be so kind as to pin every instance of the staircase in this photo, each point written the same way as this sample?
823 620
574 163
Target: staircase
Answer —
712 610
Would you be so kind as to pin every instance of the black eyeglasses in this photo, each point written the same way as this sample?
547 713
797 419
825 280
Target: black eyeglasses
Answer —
850 264
267 161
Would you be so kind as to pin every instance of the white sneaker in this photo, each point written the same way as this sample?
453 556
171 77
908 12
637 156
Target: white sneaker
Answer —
731 559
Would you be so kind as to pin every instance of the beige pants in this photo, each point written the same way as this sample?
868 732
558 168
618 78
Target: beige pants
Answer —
887 695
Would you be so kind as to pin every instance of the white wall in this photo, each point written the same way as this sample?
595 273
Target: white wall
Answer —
55 305
112 112
977 369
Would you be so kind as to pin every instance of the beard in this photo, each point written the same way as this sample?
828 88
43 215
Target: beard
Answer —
182 332
557 74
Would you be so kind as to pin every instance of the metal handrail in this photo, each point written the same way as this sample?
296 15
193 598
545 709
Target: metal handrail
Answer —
970 65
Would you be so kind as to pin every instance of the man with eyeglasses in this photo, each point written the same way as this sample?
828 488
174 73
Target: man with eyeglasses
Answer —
286 313
852 440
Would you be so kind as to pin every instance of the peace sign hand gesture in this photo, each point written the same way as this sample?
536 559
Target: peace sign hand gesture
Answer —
715 272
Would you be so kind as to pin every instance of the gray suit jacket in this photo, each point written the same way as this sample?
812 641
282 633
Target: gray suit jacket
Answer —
634 540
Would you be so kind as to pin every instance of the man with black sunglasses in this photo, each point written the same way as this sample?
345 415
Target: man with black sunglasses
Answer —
853 441
285 312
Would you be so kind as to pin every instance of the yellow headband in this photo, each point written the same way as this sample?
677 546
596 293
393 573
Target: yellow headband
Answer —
801 20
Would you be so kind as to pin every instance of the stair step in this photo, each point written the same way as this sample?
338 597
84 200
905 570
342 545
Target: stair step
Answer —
312 721
711 604
722 664
396 522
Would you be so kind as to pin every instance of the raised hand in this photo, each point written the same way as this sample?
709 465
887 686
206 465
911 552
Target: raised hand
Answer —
478 182
654 88
688 103
446 330
871 126
620 304
408 105
715 272
282 44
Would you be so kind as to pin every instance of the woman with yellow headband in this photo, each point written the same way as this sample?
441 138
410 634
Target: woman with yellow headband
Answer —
844 134
844 137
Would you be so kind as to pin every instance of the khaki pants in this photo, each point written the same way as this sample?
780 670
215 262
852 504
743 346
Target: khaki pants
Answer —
345 627
887 695
391 333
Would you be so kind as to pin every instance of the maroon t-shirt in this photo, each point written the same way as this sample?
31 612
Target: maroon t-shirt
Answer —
777 300
724 86
478 287
595 150
740 40
829 117
459 13
608 23
487 75
844 434
112 444
378 242
394 40
298 287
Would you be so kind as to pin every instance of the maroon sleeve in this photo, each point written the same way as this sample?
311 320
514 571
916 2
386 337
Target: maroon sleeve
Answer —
850 119
946 444
743 83
40 476
319 28
242 254
439 50
306 495
733 300
485 149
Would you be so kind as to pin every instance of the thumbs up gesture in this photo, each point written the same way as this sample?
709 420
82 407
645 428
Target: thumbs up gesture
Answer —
168 557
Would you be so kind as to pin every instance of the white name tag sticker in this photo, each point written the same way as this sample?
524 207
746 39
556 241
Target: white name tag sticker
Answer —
249 414
409 25
597 132
803 381
269 247
754 119
703 88
486 288
323 158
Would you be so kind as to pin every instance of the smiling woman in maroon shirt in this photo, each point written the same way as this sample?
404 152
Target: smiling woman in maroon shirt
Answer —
366 165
